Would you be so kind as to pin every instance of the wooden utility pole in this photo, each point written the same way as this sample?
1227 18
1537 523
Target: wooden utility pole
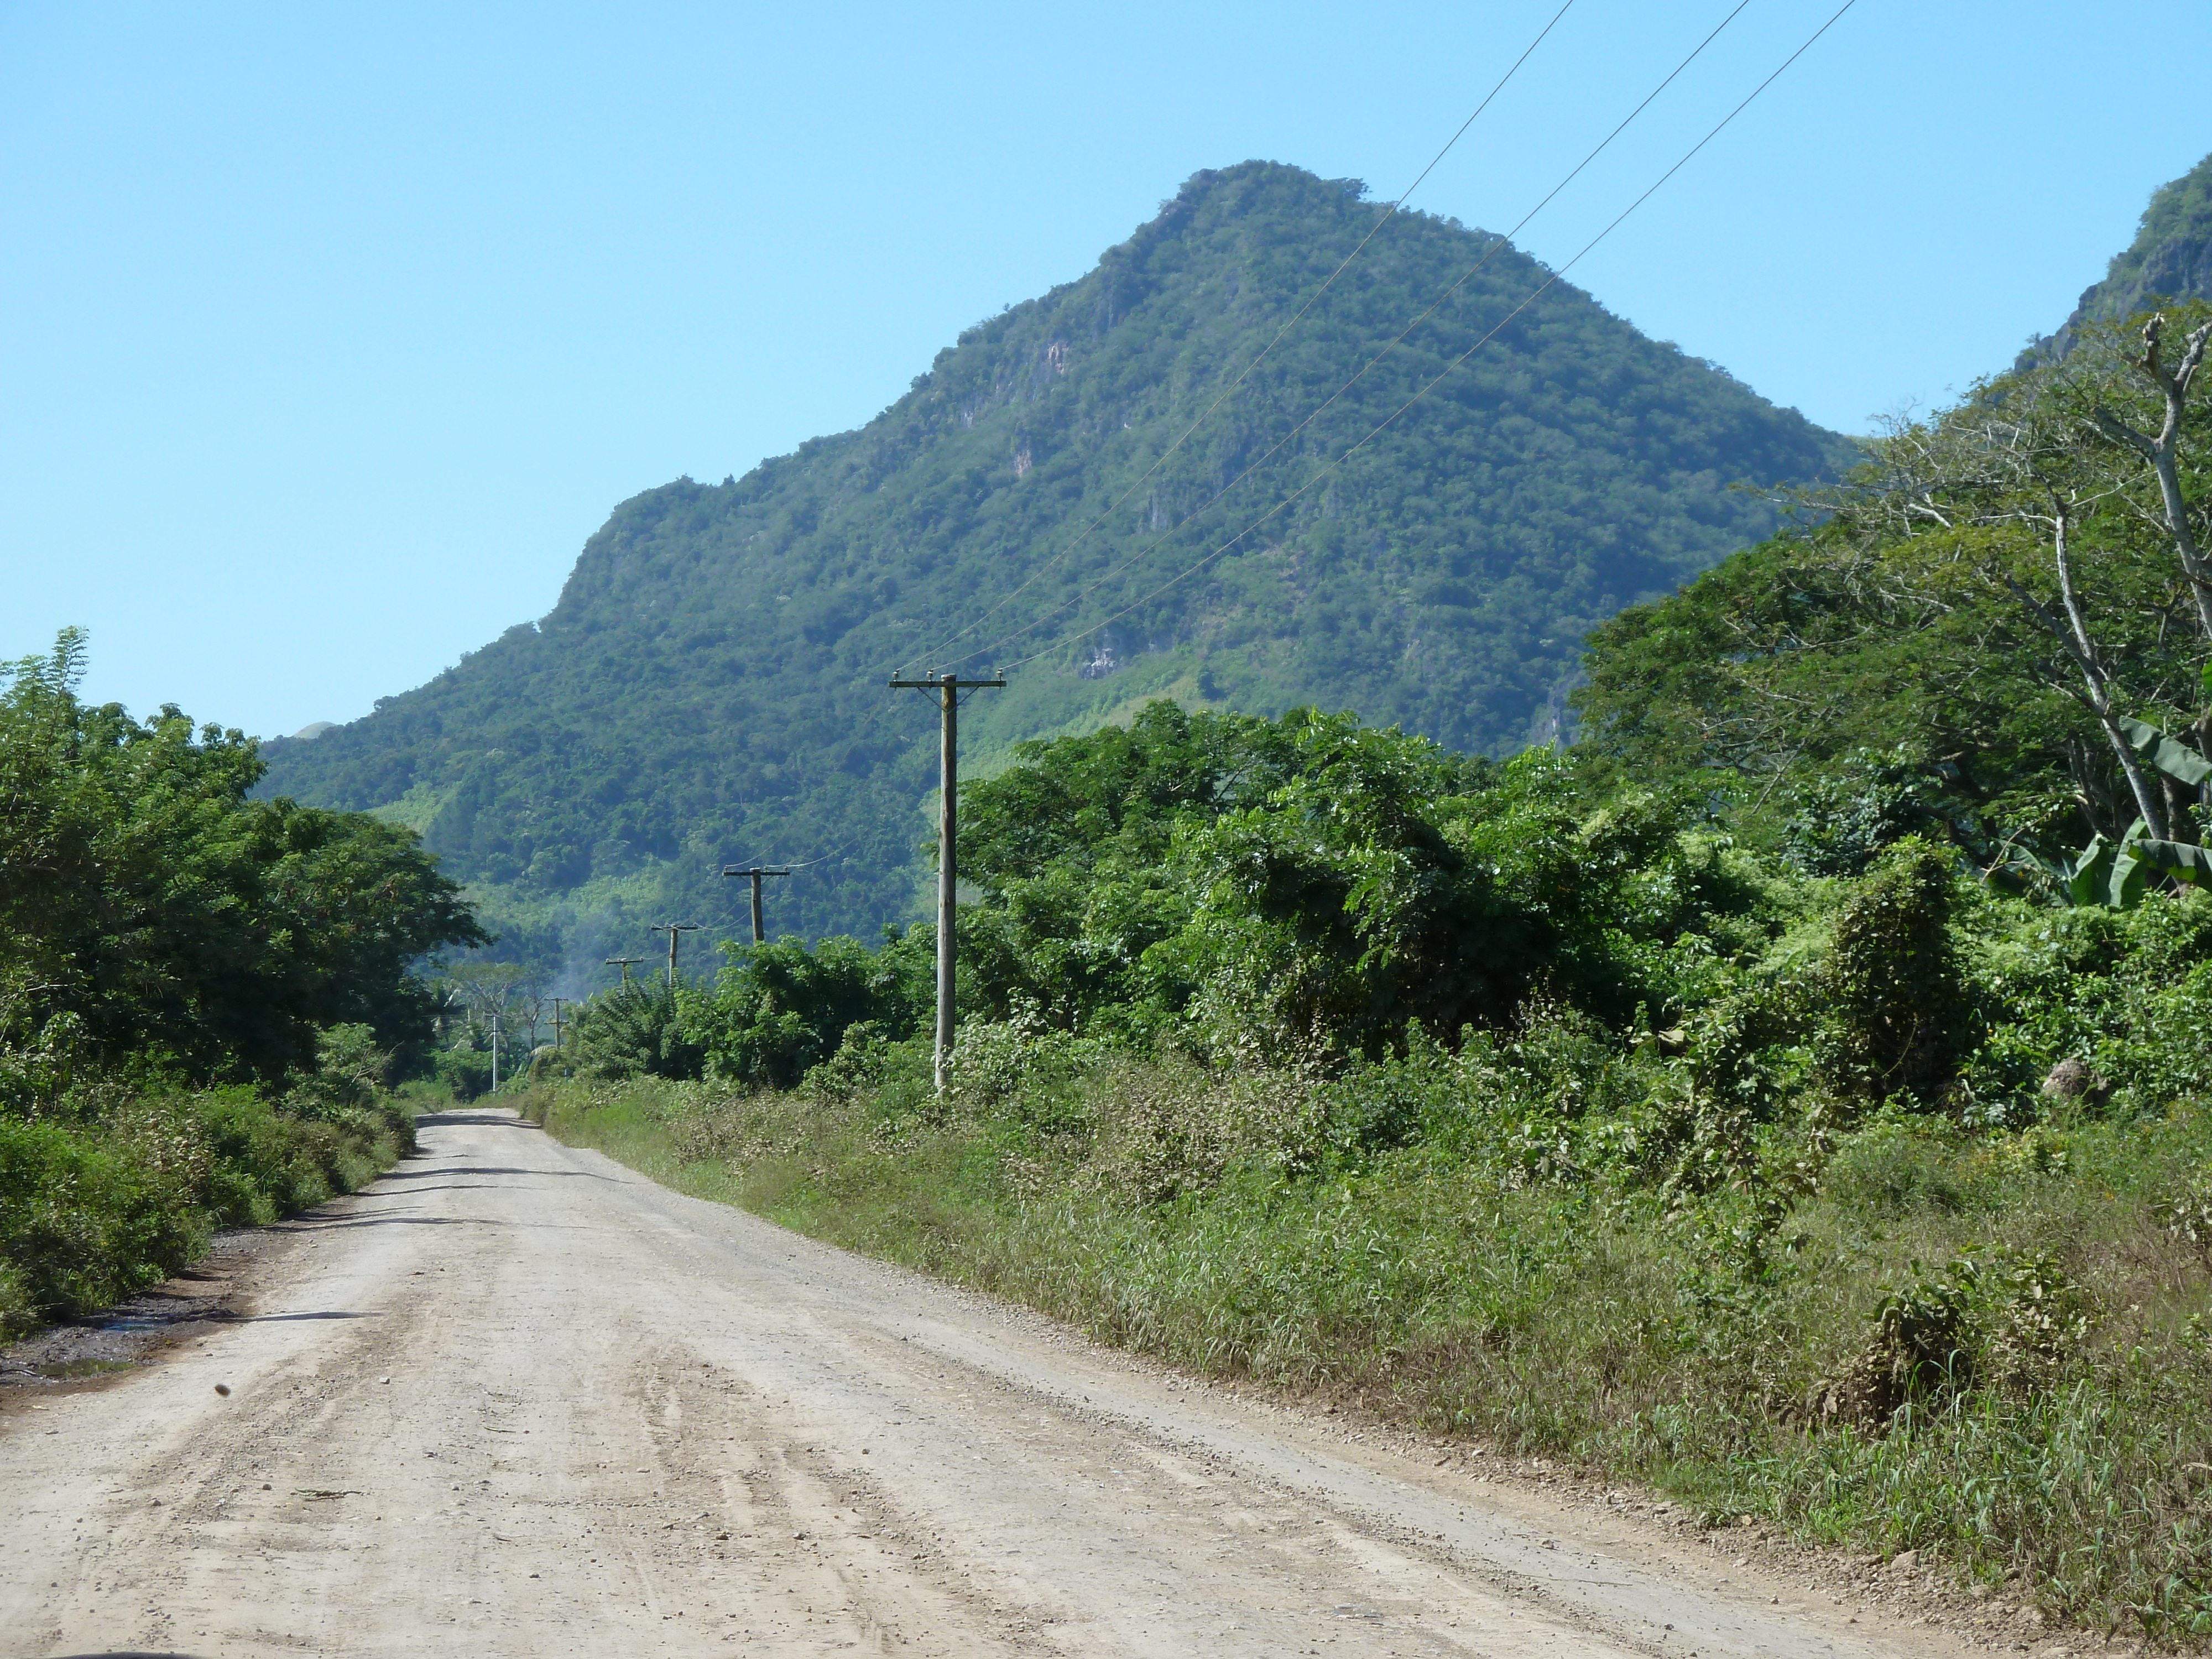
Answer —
494 1051
675 930
760 933
948 687
625 963
558 1021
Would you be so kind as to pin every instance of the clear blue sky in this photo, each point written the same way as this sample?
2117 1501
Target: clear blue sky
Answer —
328 334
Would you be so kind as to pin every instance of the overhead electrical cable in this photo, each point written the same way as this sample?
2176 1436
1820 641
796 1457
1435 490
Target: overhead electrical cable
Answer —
1552 281
1229 390
871 713
1465 277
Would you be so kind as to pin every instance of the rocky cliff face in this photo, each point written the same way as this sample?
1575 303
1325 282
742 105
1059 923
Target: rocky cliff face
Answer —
2171 258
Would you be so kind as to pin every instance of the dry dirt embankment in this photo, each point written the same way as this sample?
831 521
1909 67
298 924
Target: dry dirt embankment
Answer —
514 1399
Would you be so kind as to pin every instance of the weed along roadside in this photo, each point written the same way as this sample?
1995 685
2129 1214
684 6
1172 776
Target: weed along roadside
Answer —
1836 1192
1449 1293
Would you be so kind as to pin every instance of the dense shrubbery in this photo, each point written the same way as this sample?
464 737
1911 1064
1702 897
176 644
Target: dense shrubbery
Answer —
110 1186
200 995
1639 1123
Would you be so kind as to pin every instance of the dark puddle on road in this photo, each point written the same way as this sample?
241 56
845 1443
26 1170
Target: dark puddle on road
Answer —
69 1370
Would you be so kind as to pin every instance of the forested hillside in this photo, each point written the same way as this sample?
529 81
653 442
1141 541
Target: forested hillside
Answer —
710 686
1793 1093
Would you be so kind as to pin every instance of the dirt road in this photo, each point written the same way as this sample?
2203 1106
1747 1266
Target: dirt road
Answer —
516 1400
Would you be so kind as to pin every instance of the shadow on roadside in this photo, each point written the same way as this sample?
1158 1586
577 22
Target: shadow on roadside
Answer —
408 1221
278 1319
417 1175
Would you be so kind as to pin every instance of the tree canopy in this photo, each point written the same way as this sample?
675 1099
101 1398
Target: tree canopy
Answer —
151 905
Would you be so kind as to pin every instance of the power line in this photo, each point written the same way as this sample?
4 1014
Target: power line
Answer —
1550 282
870 714
1228 391
1465 277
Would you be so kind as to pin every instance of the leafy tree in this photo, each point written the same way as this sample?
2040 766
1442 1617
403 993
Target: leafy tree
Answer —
147 900
638 1030
2008 600
779 1009
1893 988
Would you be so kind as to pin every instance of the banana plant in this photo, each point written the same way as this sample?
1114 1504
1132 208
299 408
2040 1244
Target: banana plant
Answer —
2119 873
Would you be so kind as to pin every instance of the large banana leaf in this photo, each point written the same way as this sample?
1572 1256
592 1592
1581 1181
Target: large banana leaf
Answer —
2090 878
2123 888
2179 858
2170 755
2114 875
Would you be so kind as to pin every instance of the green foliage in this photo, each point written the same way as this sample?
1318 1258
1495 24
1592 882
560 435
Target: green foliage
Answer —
638 1030
1846 817
350 1072
709 686
779 1009
1255 884
200 994
463 1072
1893 987
105 1190
145 899
2025 690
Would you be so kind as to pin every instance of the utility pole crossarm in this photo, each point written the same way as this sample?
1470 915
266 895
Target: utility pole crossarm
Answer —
948 687
756 871
675 930
625 963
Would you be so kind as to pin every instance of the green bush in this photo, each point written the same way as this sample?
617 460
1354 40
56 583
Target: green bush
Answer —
112 1191
638 1030
91 1217
1894 986
463 1072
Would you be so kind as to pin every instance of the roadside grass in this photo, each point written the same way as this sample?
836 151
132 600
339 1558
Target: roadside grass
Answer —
111 1190
2034 1298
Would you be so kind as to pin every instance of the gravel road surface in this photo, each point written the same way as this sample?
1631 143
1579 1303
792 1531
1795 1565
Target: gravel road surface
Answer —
516 1400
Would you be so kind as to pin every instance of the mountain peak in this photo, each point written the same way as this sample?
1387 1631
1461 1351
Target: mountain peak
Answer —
1127 483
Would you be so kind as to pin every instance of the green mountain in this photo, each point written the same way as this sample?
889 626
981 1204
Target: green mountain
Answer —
2171 258
710 686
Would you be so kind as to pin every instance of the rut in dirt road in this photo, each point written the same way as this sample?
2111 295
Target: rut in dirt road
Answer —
514 1399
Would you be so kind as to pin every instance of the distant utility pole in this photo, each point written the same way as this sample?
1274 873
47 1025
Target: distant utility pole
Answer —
625 963
558 1022
494 1051
948 687
675 930
760 933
